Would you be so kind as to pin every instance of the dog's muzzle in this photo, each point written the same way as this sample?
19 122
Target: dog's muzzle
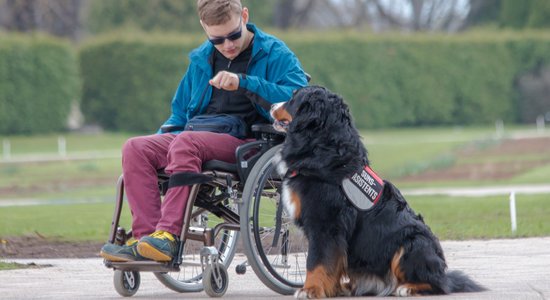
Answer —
281 125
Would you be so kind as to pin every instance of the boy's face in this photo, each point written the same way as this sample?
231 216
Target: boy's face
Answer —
230 38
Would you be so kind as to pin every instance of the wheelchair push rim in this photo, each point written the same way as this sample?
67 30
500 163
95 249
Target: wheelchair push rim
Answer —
275 247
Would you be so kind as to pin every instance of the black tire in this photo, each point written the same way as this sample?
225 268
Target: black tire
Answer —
126 282
275 247
211 288
190 278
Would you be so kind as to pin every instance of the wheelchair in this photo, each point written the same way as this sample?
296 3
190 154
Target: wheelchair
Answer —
242 199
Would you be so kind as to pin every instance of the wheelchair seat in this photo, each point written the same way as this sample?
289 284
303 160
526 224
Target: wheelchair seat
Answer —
246 156
218 165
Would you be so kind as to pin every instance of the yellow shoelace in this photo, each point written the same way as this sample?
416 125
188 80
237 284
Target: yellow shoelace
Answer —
131 241
161 234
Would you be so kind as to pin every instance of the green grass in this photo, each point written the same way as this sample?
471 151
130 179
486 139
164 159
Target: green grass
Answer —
459 218
393 153
65 222
451 218
397 152
11 266
23 145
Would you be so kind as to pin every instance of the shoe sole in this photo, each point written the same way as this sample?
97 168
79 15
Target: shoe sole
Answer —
146 250
113 258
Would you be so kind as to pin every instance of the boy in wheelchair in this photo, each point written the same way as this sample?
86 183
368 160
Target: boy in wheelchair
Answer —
239 71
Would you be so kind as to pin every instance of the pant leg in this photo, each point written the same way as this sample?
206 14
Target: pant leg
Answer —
141 158
186 154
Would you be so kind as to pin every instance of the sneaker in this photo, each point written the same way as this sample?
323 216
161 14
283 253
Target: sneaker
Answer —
159 246
124 253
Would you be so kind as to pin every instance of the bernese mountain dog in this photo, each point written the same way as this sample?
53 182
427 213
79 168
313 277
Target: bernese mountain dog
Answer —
364 239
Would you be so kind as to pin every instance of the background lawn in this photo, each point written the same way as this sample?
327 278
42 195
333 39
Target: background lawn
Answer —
77 191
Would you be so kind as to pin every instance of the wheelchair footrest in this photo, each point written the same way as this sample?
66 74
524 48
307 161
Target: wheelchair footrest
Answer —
142 266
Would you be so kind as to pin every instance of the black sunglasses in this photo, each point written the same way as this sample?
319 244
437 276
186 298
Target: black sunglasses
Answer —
235 35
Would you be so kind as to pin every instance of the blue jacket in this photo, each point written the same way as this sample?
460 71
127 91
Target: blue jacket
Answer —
274 72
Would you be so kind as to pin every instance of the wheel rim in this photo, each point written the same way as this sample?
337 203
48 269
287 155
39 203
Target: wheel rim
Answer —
189 278
281 254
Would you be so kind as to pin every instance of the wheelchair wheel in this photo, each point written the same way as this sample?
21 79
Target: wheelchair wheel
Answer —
275 247
190 276
216 280
126 282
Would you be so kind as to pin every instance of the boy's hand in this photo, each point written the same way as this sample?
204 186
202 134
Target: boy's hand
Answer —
225 80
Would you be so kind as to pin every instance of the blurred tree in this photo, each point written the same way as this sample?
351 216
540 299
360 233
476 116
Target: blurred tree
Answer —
539 16
166 15
482 12
514 13
534 88
147 15
421 15
380 15
525 14
57 17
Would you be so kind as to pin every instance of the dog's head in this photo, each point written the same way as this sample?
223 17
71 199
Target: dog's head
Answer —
321 137
311 106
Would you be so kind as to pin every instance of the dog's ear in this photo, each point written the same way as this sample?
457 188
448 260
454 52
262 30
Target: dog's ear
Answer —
311 113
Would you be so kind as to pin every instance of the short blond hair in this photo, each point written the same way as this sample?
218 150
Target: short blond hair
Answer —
217 12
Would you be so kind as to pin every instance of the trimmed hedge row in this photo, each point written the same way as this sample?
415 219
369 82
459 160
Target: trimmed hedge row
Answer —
38 81
129 84
415 80
418 80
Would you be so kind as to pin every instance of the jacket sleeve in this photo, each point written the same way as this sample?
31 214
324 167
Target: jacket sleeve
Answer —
180 102
284 73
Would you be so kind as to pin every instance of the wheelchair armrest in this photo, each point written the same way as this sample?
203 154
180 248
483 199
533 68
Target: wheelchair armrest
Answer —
265 128
171 128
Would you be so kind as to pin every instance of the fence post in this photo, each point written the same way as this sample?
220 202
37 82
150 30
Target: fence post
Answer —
540 124
6 149
499 127
513 212
61 146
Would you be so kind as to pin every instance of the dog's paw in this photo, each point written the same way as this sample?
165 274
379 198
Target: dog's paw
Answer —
402 291
309 293
346 290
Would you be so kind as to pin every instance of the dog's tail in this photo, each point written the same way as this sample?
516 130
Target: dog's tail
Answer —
458 282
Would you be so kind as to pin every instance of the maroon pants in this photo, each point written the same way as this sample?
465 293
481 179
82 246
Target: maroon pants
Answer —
143 156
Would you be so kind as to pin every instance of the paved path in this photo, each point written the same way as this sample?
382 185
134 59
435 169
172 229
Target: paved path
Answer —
510 268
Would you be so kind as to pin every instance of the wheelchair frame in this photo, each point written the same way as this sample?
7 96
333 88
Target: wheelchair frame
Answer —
228 177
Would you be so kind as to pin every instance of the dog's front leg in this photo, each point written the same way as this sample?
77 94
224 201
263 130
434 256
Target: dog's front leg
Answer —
325 269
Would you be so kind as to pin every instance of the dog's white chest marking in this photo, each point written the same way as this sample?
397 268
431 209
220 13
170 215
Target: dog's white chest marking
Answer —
288 205
282 169
280 164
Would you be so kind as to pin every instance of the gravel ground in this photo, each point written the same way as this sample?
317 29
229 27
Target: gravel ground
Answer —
510 268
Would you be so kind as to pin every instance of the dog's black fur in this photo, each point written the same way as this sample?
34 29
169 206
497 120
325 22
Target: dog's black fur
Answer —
382 251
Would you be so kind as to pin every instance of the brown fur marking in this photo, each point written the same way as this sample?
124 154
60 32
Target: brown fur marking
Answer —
321 283
416 288
396 268
297 202
281 114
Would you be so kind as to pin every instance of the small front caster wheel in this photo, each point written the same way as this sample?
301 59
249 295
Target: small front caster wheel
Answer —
215 280
240 269
126 282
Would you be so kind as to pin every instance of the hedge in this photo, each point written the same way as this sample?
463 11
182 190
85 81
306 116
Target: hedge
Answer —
425 80
39 80
129 82
414 80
